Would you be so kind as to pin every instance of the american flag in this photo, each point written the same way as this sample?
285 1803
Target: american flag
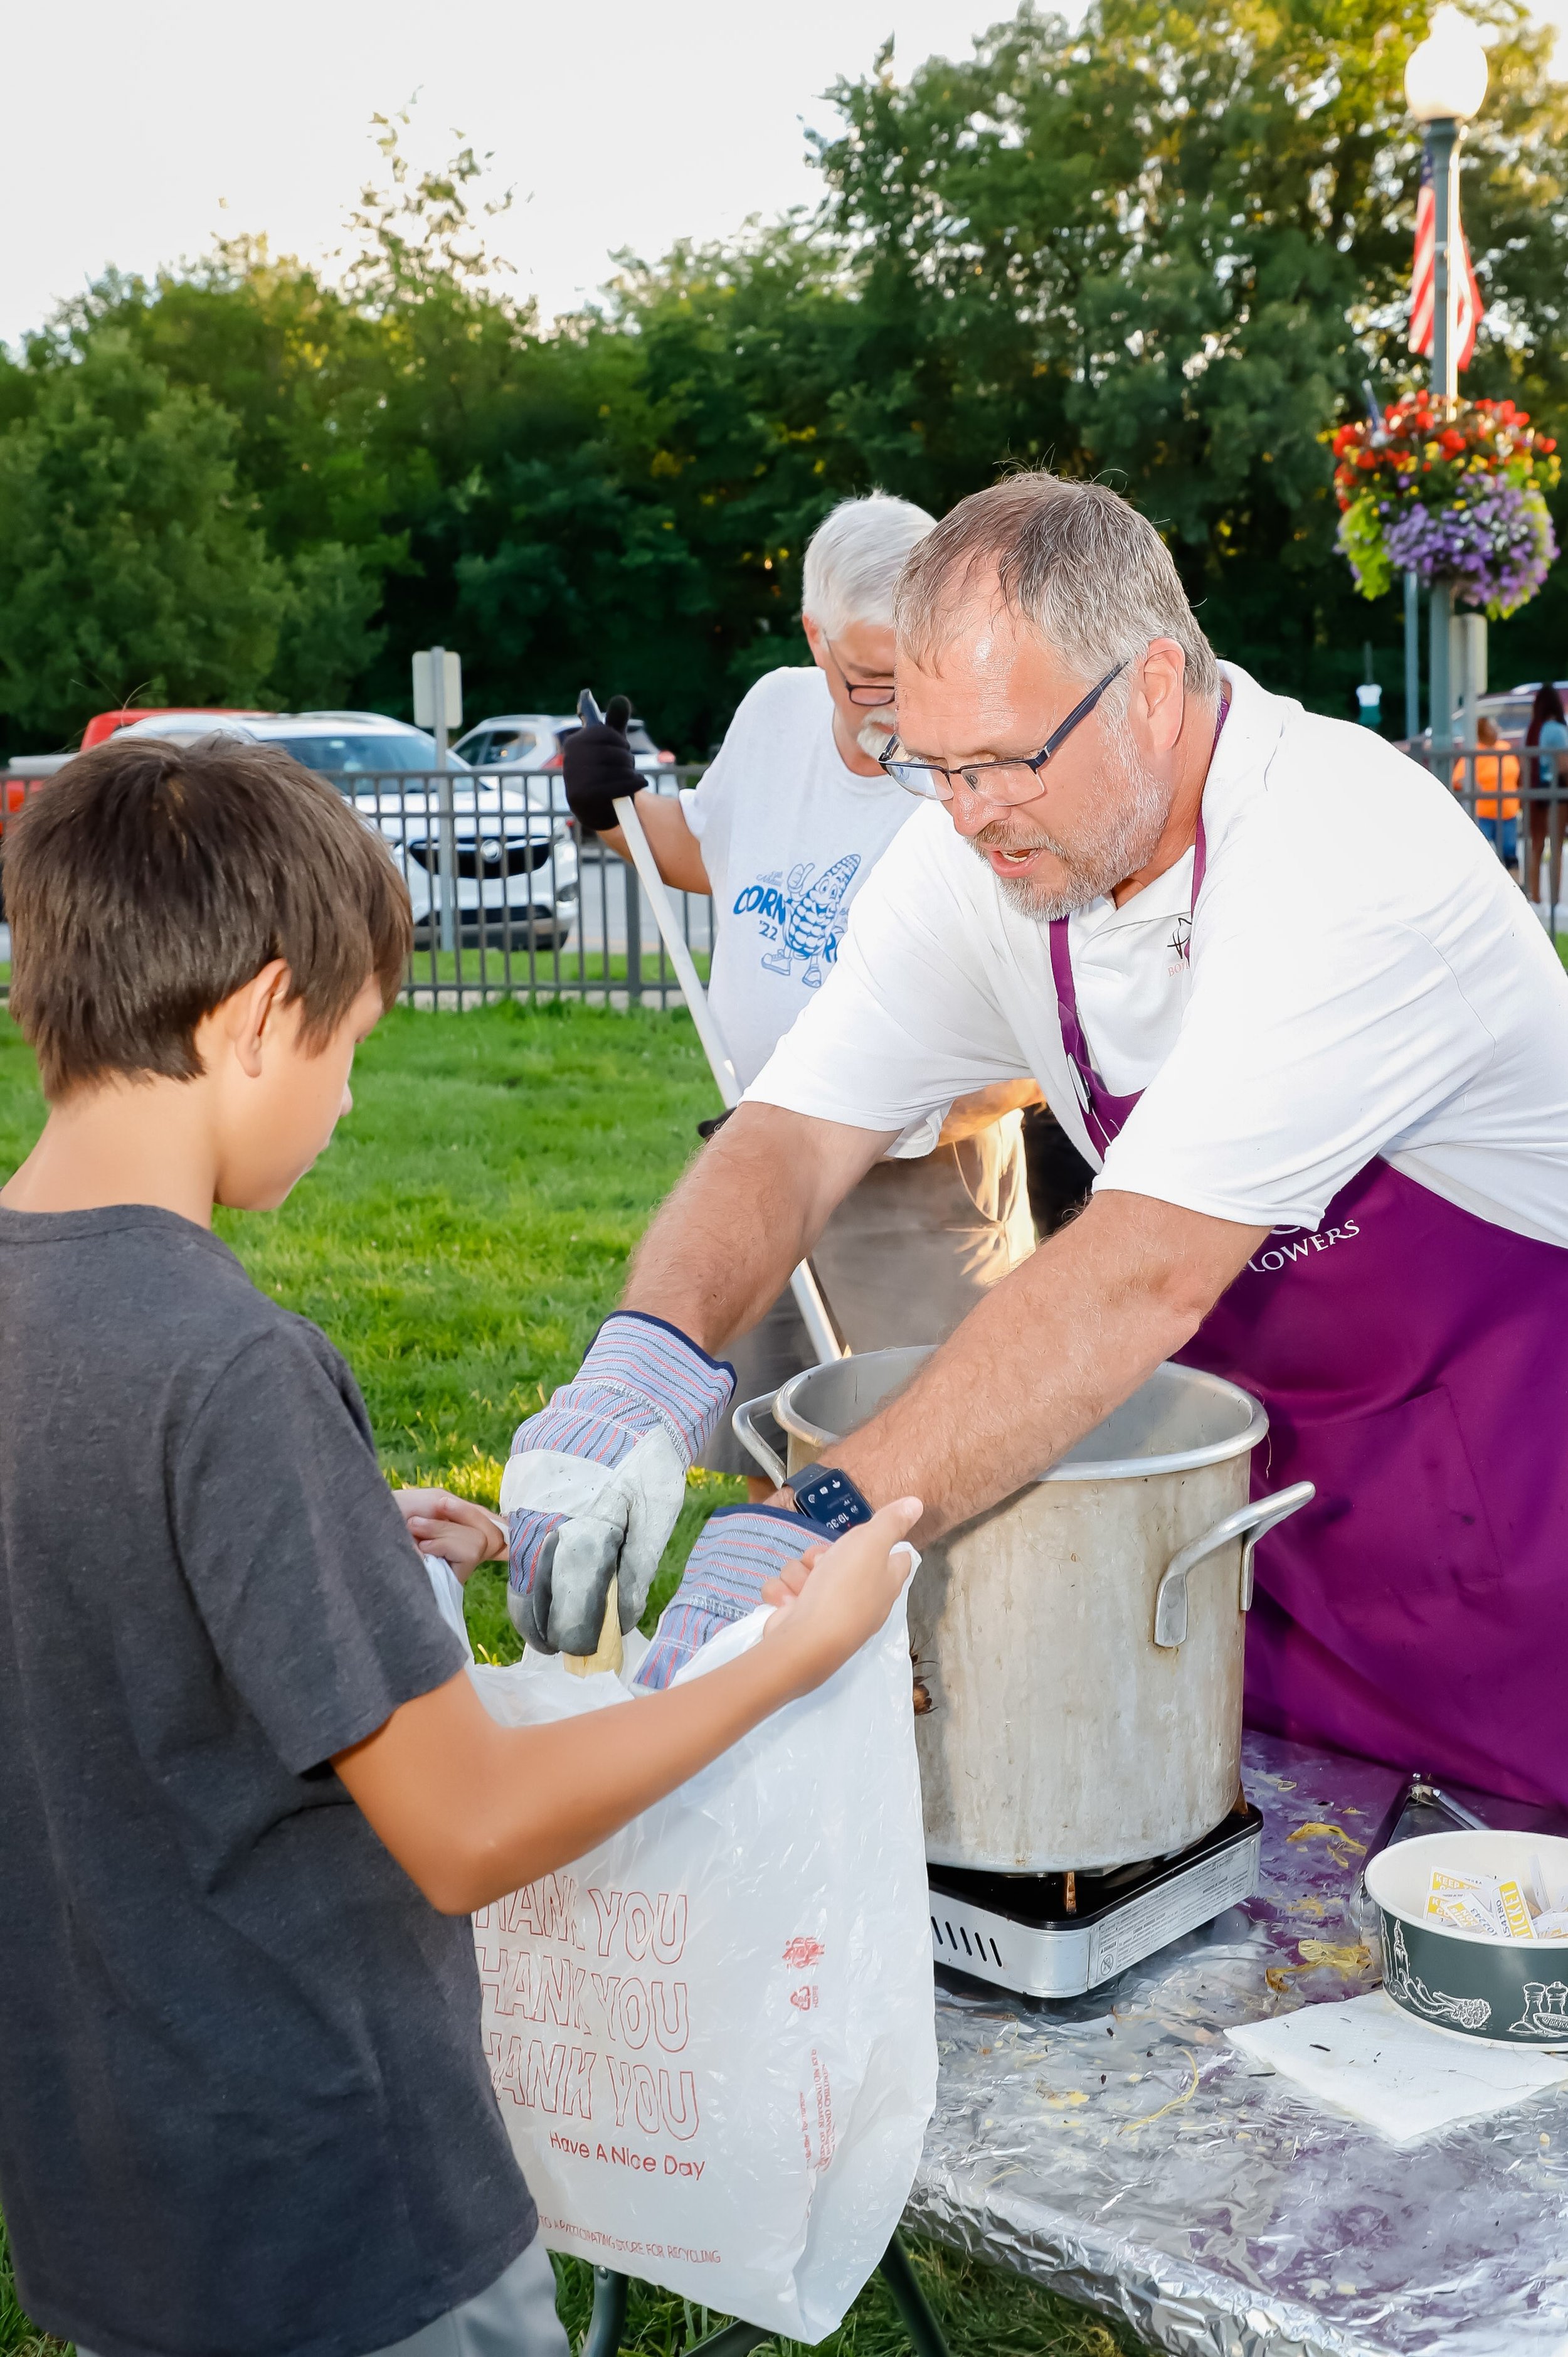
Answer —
1468 307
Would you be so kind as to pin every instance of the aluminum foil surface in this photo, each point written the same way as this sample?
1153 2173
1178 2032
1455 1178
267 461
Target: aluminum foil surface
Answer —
1116 2146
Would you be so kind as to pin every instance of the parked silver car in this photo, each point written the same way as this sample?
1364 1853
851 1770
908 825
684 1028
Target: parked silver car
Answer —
532 742
515 866
1509 708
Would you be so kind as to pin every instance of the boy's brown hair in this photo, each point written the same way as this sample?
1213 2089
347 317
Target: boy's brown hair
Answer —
148 882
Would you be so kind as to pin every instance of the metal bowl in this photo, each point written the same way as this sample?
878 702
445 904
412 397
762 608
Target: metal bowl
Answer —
1502 1992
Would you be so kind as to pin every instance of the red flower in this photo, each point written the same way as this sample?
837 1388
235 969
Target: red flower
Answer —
1546 445
1452 441
1365 457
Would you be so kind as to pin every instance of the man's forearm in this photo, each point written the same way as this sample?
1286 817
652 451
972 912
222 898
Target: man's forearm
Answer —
676 852
1051 1350
745 1215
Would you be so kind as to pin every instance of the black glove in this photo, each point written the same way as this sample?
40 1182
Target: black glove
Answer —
598 765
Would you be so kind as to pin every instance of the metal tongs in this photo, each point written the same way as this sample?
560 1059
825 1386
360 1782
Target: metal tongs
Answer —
1418 1792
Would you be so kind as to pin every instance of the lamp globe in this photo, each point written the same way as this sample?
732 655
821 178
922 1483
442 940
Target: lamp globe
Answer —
1446 74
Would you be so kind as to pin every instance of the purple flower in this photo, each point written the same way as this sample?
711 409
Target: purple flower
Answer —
1494 543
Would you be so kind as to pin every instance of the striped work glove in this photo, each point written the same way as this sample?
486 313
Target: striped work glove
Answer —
594 1482
737 1548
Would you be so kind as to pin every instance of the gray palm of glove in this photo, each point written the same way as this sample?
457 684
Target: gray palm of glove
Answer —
585 1524
595 1480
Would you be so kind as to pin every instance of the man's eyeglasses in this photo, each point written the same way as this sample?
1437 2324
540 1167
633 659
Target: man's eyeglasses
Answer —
867 691
999 781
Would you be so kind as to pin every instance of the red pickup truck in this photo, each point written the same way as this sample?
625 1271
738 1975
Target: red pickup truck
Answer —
27 773
102 725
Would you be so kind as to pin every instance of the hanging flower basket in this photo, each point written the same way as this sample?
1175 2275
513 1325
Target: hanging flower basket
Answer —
1452 491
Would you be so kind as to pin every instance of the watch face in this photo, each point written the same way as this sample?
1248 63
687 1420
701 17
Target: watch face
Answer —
843 1519
831 1500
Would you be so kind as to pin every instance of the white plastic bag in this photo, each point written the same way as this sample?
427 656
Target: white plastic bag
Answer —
714 2039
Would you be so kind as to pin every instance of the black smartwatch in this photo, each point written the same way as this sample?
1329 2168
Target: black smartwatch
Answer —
828 1497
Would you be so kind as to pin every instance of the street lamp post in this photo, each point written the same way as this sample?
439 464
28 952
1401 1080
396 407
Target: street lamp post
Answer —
1445 85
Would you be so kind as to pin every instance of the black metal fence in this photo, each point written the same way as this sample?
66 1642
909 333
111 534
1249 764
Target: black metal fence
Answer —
509 899
511 902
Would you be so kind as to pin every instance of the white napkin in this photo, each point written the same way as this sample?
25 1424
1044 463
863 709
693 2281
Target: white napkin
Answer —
1399 2075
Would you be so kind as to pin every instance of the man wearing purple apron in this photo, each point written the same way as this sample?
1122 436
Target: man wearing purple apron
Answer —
1275 986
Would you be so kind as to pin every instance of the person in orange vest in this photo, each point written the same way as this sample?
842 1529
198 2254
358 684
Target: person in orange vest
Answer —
1497 812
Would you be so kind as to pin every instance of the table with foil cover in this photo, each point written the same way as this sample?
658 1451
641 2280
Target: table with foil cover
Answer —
1117 2147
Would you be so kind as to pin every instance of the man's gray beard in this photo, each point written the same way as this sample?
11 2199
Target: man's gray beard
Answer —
1135 807
874 736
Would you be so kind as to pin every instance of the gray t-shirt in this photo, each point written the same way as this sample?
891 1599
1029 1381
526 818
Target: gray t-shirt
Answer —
244 2107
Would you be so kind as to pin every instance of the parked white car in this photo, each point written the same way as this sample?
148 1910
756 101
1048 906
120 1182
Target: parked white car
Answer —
533 741
516 864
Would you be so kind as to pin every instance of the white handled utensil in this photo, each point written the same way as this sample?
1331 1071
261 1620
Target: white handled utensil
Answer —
808 1295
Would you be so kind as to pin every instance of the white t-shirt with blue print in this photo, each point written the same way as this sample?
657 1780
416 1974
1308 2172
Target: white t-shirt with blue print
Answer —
789 835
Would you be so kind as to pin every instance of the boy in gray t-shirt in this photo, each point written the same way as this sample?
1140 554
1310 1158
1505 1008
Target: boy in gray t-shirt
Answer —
248 1796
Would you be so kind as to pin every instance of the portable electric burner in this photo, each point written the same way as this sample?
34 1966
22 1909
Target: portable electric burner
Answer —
1059 1934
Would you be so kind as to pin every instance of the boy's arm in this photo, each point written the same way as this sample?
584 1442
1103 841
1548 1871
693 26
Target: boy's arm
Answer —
472 1809
459 1530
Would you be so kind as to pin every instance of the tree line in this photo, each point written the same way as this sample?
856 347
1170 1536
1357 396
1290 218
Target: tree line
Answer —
1169 246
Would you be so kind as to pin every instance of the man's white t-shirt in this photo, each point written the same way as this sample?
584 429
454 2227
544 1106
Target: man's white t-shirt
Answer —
1364 979
789 834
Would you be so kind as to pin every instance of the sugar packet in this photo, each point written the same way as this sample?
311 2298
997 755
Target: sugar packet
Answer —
1503 1905
1468 1903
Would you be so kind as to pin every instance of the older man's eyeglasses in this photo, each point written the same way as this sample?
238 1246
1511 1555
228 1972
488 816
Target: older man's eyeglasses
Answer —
870 692
999 781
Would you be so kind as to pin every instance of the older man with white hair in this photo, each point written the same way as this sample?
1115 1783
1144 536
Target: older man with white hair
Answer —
783 830
1326 1100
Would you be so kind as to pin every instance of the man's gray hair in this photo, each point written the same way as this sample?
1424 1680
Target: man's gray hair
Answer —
854 557
1076 560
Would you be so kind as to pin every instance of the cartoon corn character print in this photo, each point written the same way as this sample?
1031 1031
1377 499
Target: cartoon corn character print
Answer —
813 917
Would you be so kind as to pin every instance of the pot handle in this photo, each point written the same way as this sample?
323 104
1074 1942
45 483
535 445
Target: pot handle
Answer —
1248 1523
743 1424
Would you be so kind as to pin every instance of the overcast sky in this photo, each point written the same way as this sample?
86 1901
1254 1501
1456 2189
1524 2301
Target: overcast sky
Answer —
131 136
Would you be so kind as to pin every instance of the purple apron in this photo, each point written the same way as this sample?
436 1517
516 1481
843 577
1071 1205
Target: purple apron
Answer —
1413 1361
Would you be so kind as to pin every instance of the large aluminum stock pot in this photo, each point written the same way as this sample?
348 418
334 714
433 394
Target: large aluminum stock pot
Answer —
1082 1641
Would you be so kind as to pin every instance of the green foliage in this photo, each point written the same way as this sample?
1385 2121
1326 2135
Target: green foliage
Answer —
129 560
1164 245
1167 246
326 637
1361 538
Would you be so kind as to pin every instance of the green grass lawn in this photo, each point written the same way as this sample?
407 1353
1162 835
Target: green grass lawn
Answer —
461 1240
